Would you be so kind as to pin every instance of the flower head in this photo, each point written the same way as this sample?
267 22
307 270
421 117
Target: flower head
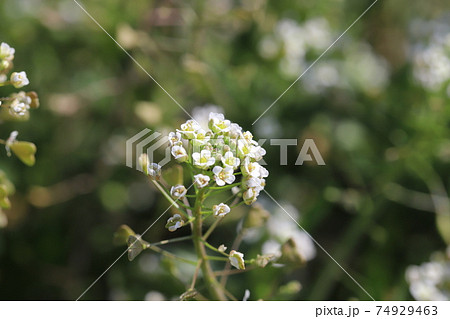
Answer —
237 259
19 79
221 210
201 180
178 191
223 175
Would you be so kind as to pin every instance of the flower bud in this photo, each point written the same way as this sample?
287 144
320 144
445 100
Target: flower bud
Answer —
237 259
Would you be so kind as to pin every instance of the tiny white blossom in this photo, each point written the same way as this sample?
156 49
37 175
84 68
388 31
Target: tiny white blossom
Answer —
229 160
243 148
19 79
237 259
201 180
6 52
11 139
250 196
235 131
222 248
189 129
203 159
18 108
3 78
174 138
174 222
154 170
218 123
178 191
221 210
223 176
257 184
251 169
257 152
179 153
201 138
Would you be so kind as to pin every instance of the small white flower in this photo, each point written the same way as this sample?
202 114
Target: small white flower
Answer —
256 152
243 148
251 169
235 131
250 196
221 210
6 52
174 138
179 153
263 172
3 78
229 160
154 170
178 191
201 138
11 139
201 180
257 184
189 129
174 222
223 176
222 248
18 108
218 123
203 159
237 259
19 79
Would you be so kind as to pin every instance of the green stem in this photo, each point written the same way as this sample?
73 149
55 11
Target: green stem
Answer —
170 255
208 275
214 248
217 258
170 241
212 227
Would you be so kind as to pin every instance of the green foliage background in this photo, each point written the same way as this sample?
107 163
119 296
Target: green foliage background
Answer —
387 148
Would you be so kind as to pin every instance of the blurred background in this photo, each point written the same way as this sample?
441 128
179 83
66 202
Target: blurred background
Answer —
377 106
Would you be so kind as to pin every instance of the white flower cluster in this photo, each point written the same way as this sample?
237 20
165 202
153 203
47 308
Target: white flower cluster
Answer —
430 281
17 79
18 103
220 152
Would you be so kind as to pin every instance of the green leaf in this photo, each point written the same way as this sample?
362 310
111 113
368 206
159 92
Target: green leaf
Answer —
25 151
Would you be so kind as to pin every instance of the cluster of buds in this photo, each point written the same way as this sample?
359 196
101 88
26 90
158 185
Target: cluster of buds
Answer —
18 104
219 154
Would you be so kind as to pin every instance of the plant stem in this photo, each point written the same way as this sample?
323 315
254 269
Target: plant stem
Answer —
208 275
